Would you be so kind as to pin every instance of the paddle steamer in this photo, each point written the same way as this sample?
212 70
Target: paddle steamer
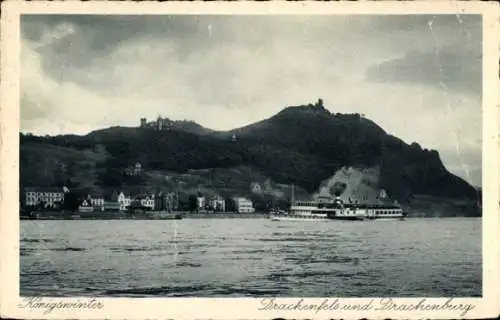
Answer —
336 209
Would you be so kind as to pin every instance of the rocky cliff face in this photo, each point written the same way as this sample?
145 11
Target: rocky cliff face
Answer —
353 185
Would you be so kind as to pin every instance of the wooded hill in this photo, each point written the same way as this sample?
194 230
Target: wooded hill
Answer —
301 145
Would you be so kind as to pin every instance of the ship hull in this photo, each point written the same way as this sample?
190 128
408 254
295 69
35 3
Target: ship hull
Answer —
326 218
358 218
296 218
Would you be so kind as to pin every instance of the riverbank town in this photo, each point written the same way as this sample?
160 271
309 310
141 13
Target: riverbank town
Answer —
61 202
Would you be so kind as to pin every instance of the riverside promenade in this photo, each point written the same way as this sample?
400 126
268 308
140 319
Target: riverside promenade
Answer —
148 215
225 215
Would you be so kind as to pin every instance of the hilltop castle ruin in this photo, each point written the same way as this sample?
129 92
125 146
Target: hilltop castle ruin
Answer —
159 124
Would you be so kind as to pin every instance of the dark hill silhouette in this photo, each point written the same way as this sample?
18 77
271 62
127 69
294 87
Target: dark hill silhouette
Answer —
335 140
302 145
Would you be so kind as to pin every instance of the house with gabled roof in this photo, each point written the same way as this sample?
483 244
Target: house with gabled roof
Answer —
146 200
217 204
96 200
124 199
134 170
48 196
85 206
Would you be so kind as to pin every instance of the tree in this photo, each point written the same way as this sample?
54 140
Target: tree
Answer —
193 202
230 205
183 203
71 201
136 205
59 174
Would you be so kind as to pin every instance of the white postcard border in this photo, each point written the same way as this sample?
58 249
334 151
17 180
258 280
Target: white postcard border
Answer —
11 305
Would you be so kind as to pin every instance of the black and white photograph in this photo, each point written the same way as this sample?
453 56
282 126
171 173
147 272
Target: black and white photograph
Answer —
251 156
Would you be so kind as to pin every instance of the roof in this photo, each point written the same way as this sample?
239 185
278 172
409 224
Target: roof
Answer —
108 195
95 195
241 199
125 193
143 196
85 203
43 189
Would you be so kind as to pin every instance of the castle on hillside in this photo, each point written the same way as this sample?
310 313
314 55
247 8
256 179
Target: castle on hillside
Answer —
159 124
319 104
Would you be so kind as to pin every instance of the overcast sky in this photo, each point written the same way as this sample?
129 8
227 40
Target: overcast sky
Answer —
418 77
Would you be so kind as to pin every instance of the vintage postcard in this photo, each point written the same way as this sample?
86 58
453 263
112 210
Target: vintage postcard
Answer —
218 160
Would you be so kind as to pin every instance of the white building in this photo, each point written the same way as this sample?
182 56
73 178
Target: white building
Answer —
48 196
243 205
124 200
218 204
134 170
85 206
148 201
200 201
96 201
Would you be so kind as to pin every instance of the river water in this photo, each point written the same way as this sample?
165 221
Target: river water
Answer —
252 257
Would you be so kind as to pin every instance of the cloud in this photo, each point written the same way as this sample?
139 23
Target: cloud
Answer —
448 69
448 55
